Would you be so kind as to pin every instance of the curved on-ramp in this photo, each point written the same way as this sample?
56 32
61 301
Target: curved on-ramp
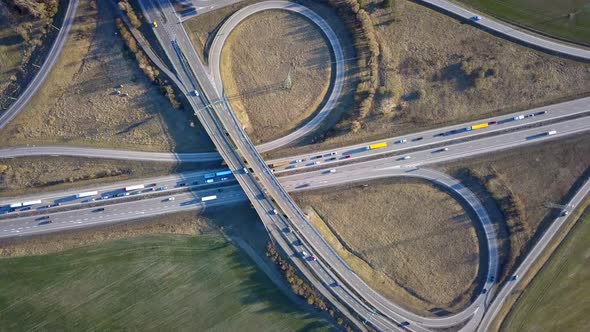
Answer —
46 67
223 33
443 180
510 32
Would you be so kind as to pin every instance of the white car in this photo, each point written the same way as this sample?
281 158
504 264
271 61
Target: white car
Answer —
475 18
333 153
245 170
196 93
403 140
171 199
406 157
332 171
299 160
316 163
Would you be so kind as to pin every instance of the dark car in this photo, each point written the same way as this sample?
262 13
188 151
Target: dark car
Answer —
42 218
182 184
331 159
417 139
98 210
493 122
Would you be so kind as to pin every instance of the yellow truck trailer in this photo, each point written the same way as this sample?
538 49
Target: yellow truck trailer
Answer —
377 146
479 126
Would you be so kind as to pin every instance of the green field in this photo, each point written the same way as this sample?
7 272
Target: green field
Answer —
569 19
558 298
164 282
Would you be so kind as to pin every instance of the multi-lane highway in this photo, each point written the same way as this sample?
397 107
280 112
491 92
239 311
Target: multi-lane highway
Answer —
219 121
554 113
338 62
390 166
350 295
314 176
46 67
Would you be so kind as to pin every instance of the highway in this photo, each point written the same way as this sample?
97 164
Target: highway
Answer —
46 67
359 171
338 62
218 121
509 32
423 139
531 258
350 293
422 157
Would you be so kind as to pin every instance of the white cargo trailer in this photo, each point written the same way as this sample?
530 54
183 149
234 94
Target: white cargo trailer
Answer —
134 187
29 203
87 194
208 198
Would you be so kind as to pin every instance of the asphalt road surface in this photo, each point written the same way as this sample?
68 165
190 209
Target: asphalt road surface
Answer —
531 258
556 112
46 67
218 121
372 169
338 60
509 32
218 117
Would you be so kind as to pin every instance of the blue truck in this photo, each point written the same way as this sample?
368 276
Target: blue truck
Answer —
223 173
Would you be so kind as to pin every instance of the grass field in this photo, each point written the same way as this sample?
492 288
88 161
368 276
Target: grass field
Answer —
37 174
79 104
11 48
14 50
569 19
523 182
255 71
441 71
557 299
172 282
425 259
202 27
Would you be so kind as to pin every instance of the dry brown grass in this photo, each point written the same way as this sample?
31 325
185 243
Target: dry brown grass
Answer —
423 258
38 174
203 27
78 104
532 177
14 49
256 61
432 63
